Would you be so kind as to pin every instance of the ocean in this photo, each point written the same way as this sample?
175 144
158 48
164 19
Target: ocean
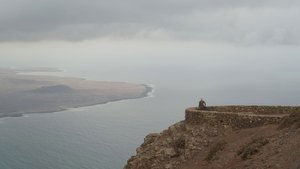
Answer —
96 137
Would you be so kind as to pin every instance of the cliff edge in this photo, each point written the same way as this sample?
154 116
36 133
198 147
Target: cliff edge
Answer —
225 137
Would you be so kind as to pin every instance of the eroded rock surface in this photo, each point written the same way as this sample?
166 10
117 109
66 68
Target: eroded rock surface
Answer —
207 145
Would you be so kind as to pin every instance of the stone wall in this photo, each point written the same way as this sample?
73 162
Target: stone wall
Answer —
256 109
238 116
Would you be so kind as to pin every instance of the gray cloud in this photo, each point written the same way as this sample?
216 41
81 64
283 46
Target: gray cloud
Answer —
234 21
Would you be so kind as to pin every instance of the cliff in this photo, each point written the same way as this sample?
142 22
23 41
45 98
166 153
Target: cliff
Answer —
225 137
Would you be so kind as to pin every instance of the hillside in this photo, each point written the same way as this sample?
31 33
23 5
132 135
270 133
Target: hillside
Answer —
225 137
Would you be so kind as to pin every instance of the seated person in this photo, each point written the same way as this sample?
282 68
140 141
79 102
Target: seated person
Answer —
202 105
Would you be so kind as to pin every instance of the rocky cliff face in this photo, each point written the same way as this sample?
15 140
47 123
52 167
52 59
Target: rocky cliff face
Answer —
209 142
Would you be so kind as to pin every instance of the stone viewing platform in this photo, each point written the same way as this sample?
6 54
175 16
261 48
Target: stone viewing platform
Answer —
239 116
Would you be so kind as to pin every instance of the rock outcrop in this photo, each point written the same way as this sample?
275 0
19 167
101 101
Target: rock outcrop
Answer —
231 139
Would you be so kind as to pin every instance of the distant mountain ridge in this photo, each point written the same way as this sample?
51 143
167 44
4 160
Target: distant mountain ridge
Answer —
53 89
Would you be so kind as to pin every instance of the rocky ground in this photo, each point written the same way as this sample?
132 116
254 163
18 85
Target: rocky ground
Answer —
207 146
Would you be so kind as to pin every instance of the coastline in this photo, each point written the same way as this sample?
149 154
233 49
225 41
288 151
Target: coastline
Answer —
148 89
23 92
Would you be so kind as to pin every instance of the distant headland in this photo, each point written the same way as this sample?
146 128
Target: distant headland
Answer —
24 93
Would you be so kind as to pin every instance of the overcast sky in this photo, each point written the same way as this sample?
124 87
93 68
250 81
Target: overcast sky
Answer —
244 49
232 21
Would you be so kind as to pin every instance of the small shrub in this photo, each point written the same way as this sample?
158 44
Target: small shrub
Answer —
219 146
252 148
179 143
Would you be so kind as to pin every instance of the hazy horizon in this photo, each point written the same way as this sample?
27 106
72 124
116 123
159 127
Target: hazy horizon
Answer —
227 52
238 43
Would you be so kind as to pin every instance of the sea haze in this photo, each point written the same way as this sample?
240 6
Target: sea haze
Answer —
226 52
105 136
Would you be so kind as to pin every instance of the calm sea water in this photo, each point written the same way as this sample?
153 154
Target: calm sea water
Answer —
102 136
96 137
105 136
